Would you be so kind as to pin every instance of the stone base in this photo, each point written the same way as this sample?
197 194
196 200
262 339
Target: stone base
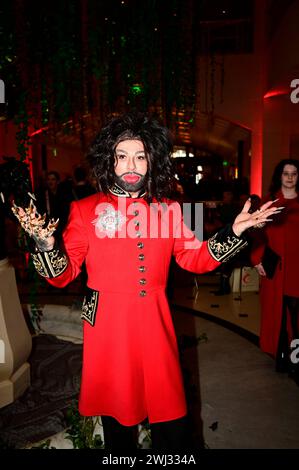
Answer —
11 389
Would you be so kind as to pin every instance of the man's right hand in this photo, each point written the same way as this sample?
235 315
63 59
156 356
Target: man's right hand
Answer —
33 223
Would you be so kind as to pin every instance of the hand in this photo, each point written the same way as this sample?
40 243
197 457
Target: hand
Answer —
258 219
260 269
33 223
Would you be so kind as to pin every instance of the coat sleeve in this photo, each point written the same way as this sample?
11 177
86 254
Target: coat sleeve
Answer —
203 256
61 266
259 240
258 244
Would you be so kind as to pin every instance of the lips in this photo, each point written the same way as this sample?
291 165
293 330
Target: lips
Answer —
131 178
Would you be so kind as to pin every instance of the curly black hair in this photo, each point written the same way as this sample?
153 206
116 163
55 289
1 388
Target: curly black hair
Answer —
275 184
158 147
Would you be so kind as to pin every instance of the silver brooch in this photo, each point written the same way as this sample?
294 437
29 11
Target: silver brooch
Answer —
108 222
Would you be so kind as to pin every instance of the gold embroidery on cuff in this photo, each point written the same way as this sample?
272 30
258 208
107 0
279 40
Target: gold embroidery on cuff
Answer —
89 307
50 263
223 251
39 265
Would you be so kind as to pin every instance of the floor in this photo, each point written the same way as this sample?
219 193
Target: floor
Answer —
244 403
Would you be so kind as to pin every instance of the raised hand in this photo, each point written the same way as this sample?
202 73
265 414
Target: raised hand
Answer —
34 224
257 219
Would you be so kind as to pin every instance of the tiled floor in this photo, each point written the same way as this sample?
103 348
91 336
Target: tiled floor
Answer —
241 309
244 403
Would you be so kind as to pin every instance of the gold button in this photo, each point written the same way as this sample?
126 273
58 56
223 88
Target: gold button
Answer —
142 282
142 293
141 256
137 223
141 269
140 245
138 234
136 212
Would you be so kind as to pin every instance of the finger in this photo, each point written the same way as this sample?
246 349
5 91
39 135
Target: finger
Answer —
256 213
268 212
266 205
246 206
271 210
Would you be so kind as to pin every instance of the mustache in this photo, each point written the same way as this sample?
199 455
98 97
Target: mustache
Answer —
132 173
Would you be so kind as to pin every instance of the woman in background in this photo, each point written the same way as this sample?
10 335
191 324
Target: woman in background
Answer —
280 295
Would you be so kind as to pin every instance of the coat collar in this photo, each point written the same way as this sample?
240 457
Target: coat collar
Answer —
120 192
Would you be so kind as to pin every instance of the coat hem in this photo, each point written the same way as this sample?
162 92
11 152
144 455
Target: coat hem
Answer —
135 422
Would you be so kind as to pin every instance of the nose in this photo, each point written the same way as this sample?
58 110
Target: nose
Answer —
131 164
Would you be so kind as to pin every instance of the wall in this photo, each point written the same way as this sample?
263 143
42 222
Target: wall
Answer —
8 146
281 116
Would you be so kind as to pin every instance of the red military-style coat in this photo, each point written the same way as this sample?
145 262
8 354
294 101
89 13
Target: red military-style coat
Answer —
282 236
130 356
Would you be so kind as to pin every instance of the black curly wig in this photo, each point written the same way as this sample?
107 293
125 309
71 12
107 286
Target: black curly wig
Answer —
157 144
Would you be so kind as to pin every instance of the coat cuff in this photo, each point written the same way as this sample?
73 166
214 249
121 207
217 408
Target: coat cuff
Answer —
225 244
50 263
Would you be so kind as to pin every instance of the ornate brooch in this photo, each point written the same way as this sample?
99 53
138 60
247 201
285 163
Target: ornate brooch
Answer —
108 222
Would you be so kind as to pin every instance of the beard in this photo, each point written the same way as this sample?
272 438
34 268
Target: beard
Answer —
131 187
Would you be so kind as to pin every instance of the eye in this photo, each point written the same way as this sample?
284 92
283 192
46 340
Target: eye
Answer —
120 156
141 157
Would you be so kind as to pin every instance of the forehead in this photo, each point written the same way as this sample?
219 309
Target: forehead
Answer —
290 169
130 146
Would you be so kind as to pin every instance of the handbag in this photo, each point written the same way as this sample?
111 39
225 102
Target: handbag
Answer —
270 261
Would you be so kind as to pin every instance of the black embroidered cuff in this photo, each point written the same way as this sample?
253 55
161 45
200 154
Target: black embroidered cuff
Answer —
225 244
90 305
50 263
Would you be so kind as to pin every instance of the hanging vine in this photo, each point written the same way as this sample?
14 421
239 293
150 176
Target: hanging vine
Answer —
67 60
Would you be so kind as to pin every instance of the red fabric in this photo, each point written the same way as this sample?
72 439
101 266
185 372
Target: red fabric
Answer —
130 357
282 236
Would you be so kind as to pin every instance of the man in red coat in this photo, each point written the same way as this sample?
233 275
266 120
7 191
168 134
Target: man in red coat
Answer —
126 234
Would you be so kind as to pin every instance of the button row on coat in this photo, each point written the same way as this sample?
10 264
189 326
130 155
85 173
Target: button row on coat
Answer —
140 245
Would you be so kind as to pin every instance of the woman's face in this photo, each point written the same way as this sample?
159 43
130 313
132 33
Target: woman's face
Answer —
289 177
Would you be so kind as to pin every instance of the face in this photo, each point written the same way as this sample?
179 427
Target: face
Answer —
130 165
289 177
52 182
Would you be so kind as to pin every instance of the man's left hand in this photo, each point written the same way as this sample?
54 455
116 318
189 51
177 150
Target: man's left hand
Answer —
257 219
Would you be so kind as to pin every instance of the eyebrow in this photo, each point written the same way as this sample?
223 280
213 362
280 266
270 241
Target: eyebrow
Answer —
124 151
